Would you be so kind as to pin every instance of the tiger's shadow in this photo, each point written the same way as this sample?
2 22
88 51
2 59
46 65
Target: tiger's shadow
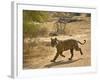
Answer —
61 63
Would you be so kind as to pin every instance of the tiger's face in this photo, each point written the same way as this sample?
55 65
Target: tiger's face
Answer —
53 42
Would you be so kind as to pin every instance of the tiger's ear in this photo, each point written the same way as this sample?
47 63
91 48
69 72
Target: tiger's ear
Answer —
55 38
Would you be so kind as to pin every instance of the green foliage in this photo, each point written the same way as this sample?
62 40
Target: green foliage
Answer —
32 20
35 16
30 30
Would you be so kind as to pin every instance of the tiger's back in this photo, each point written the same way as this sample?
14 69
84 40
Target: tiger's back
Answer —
67 44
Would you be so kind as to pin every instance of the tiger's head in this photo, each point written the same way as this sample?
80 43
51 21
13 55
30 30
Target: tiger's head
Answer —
54 42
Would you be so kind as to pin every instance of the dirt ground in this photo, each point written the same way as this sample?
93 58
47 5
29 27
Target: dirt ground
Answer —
41 53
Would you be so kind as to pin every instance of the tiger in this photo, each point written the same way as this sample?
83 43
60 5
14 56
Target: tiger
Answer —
64 45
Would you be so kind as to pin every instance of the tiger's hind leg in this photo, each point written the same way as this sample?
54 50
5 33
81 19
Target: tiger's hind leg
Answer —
79 49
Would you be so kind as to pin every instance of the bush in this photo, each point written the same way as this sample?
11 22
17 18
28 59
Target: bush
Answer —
42 31
34 30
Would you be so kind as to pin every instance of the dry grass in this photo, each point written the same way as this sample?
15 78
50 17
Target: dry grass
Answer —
38 53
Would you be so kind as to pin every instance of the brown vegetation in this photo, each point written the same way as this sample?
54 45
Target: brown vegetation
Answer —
38 52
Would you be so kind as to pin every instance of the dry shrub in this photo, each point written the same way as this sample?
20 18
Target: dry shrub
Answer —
40 51
68 31
48 44
42 31
36 49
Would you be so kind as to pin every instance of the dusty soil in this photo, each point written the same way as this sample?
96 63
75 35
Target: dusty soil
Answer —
40 54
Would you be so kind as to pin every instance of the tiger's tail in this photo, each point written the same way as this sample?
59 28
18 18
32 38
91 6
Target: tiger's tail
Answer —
82 43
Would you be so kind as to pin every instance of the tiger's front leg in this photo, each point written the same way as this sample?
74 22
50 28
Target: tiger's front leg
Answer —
71 51
56 56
